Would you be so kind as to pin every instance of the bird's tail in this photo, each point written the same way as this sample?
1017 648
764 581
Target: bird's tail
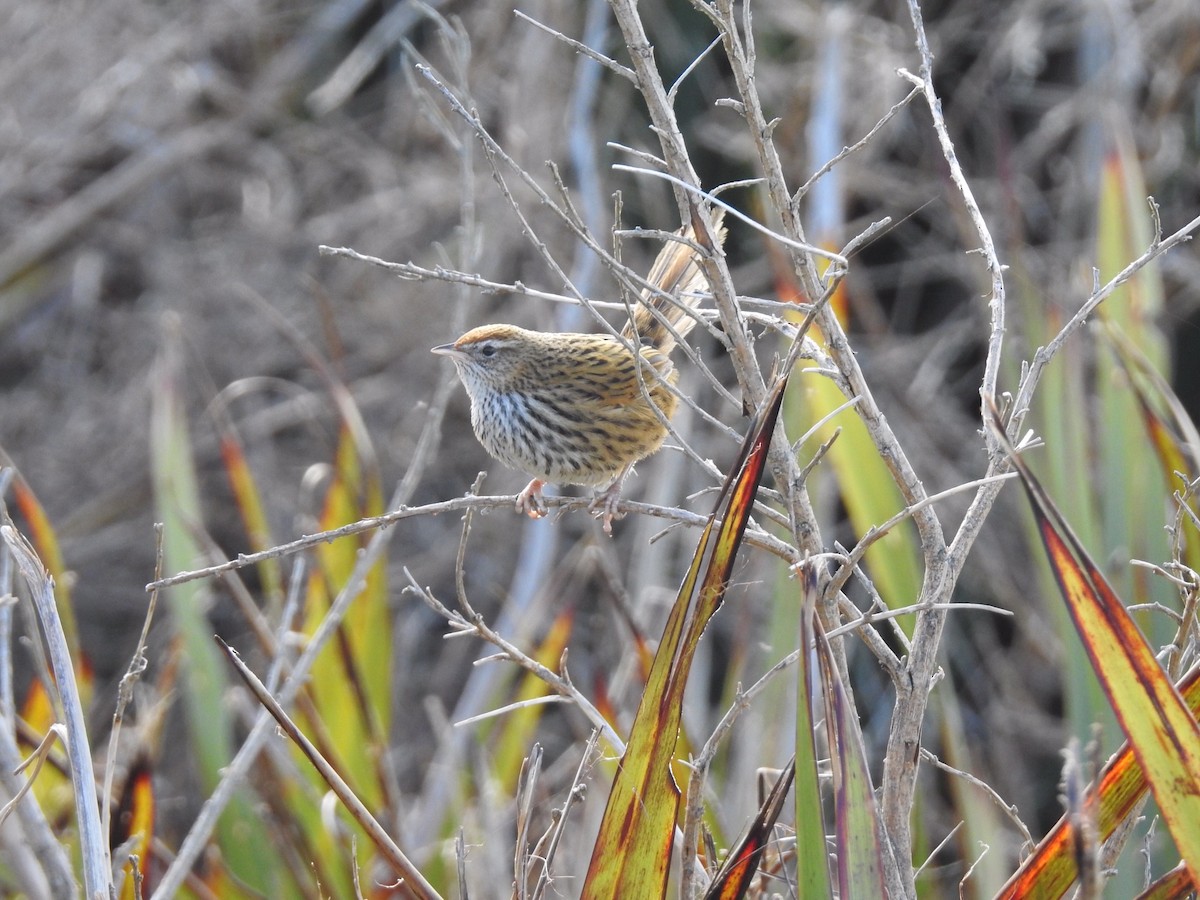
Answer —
676 272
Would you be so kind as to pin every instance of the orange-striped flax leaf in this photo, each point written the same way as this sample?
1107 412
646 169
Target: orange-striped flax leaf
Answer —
351 678
632 854
45 540
133 829
1163 420
1175 885
1162 731
248 500
1050 871
1168 426
733 879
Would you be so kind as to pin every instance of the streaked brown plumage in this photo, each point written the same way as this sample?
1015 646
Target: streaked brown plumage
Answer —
572 408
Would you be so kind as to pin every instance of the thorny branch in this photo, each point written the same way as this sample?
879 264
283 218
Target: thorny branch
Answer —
758 539
915 670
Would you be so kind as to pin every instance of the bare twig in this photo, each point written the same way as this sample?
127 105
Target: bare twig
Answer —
962 882
97 871
758 539
531 768
579 47
934 852
900 762
508 708
856 146
1043 356
738 214
1009 809
39 861
473 624
414 881
879 531
575 795
414 272
678 164
137 665
197 837
56 732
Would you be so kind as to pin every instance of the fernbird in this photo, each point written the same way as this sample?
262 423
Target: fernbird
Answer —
572 408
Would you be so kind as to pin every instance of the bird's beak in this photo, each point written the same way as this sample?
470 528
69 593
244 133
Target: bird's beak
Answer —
447 350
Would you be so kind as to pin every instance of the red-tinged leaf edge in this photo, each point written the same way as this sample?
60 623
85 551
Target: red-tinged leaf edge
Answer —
1171 431
1174 885
1051 869
133 828
632 853
45 540
1161 730
1167 447
248 501
737 871
1167 422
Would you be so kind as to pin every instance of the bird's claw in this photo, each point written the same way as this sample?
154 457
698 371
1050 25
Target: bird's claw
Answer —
606 507
530 501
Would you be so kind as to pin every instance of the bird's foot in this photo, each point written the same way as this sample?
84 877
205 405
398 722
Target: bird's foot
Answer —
605 506
530 501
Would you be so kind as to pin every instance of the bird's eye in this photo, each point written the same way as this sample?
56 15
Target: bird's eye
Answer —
487 351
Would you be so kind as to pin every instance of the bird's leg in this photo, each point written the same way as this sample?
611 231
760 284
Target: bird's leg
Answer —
605 505
530 500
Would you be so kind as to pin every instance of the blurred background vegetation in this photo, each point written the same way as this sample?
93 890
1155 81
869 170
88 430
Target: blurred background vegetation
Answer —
167 171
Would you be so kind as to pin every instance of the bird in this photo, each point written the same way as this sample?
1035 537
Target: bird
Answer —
572 408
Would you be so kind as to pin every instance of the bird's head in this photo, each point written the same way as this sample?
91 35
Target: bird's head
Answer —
492 357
